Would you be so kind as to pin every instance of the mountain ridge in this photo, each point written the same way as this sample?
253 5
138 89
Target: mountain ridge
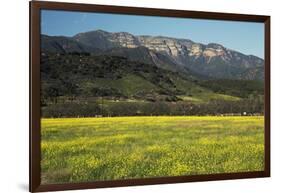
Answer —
211 60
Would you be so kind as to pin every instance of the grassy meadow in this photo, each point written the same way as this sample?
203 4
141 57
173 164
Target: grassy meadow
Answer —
93 149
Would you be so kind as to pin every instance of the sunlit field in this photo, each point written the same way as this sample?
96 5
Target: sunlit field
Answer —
93 149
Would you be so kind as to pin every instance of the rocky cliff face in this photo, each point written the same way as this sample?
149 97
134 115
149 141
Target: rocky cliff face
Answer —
211 60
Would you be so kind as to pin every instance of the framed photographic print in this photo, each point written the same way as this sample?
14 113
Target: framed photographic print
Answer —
123 96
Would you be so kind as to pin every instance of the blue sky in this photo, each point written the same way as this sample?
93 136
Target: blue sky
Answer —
246 37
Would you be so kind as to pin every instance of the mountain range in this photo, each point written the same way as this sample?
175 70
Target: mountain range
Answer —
211 61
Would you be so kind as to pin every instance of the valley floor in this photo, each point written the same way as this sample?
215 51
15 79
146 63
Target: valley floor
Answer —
93 149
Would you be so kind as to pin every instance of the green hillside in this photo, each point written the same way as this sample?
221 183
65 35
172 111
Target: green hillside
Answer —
116 77
76 84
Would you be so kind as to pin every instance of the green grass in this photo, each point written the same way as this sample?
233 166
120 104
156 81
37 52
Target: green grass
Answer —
128 85
92 149
131 84
207 97
215 96
198 94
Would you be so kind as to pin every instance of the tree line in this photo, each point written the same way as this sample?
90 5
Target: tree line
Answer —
159 108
